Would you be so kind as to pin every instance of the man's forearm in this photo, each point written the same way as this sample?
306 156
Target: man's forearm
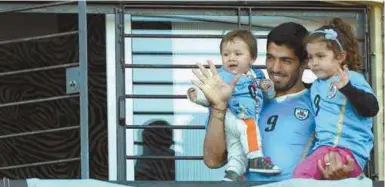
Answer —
215 153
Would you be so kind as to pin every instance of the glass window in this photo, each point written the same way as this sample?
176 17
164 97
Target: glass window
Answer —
168 50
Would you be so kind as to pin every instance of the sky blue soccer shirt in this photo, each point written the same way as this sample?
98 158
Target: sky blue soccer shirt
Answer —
337 122
286 125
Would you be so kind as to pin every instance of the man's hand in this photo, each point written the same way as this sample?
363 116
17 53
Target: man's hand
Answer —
213 87
334 168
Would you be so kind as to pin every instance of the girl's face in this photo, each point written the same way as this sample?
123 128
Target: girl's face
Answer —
322 60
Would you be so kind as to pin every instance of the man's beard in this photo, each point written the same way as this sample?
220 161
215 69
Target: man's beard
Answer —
289 84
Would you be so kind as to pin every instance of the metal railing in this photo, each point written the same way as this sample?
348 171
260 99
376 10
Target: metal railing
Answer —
120 77
121 66
120 93
82 39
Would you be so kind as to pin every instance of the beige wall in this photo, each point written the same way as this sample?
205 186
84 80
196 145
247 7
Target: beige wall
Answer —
377 60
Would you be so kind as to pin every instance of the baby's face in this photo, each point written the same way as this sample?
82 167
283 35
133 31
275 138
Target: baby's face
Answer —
236 56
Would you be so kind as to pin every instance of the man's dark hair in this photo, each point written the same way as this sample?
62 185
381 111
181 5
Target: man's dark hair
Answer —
291 35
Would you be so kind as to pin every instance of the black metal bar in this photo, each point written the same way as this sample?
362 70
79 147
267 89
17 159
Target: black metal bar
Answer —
186 53
38 100
83 69
160 83
250 25
171 36
38 132
239 18
38 37
167 83
120 93
40 163
37 7
165 127
367 50
165 157
152 113
38 69
208 21
179 36
175 66
164 53
138 96
259 7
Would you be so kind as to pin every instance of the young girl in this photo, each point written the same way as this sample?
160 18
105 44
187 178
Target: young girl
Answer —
343 101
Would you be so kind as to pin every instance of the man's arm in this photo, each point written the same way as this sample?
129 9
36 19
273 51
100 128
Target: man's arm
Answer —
217 92
214 146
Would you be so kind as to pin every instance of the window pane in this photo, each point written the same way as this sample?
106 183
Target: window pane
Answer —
188 51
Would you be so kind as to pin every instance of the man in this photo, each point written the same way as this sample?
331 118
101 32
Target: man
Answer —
286 122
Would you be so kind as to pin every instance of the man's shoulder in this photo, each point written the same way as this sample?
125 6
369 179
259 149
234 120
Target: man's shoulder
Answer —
303 96
297 102
300 100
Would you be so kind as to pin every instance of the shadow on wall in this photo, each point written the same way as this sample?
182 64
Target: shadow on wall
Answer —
156 142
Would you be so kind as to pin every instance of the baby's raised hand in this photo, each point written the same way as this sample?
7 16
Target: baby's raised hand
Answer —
266 84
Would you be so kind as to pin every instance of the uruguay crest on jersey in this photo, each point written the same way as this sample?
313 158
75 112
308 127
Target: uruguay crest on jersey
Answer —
332 91
301 113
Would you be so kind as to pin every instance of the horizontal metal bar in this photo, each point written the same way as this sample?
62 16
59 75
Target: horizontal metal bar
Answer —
38 37
234 7
37 7
179 36
174 66
40 163
38 100
207 21
165 157
39 69
161 83
165 127
38 132
167 112
152 113
137 96
181 53
149 6
153 83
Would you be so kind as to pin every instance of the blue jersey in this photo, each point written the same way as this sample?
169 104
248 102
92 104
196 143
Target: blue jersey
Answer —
337 122
247 97
286 127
